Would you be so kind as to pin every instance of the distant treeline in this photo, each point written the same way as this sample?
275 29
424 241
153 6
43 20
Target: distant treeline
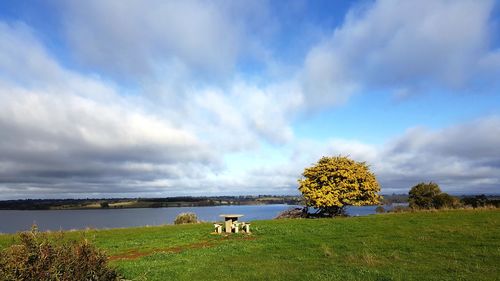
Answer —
481 200
394 198
191 201
39 204
468 200
115 203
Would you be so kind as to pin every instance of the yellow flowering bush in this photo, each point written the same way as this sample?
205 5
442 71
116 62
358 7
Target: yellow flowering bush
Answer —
336 182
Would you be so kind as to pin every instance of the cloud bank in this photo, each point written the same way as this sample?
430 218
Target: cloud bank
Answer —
160 99
408 47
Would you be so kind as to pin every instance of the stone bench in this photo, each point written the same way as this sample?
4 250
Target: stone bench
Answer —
218 227
235 226
245 226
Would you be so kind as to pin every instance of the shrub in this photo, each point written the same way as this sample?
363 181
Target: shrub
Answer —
39 258
399 209
429 196
183 218
421 196
380 209
444 200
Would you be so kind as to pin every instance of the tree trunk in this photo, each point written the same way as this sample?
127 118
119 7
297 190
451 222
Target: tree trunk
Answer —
333 211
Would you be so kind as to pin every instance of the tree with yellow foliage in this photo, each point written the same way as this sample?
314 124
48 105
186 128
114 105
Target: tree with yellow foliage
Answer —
336 182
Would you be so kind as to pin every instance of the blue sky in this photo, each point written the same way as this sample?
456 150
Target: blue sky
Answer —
156 98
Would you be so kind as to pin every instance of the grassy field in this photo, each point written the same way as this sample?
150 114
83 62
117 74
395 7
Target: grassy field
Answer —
448 245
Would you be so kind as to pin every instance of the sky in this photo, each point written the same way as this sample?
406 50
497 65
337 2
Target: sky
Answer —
201 98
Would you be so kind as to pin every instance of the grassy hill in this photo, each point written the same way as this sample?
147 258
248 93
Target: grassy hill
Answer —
448 245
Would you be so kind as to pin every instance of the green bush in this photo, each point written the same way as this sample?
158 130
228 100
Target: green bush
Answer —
183 218
39 258
400 209
429 196
444 200
421 196
380 209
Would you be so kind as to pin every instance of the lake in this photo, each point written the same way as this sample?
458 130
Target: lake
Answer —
12 220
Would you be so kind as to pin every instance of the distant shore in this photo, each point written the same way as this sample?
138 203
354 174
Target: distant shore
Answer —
126 203
179 201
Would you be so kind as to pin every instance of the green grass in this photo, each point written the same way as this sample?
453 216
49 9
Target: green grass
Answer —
448 245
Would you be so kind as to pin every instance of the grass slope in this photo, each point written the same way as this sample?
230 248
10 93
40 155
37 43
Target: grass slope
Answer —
450 245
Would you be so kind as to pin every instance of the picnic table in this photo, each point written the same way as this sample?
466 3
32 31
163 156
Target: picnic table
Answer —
229 219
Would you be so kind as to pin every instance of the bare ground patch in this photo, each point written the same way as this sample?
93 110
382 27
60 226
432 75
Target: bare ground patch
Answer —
137 253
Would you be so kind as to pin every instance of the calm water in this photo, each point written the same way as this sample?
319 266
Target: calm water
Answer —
12 221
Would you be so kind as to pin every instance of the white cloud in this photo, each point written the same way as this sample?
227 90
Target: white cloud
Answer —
403 46
63 132
463 158
238 116
22 57
71 141
134 38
